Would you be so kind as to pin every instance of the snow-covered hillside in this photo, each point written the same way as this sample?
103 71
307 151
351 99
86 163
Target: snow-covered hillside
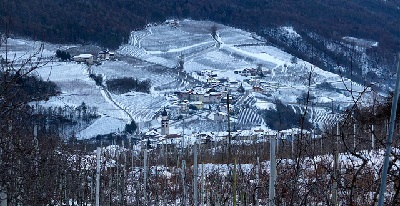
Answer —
154 54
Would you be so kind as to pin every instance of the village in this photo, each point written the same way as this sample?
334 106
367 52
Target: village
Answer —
217 100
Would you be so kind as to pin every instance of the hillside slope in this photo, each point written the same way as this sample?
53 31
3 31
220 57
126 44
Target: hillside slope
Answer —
109 22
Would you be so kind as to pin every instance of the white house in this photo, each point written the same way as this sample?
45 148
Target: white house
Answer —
212 98
86 58
215 97
106 55
197 94
184 106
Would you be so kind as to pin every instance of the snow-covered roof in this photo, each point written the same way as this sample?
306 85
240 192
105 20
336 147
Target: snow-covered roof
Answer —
215 93
196 103
152 133
83 56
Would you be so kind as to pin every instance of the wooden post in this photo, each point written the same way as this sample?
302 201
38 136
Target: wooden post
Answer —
183 182
36 145
335 168
373 137
292 144
98 176
3 191
389 139
195 173
145 176
257 180
272 172
234 184
202 184
354 137
229 126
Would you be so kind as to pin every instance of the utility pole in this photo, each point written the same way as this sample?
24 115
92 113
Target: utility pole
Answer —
389 140
272 172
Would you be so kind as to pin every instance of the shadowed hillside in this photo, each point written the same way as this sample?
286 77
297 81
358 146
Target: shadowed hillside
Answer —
109 22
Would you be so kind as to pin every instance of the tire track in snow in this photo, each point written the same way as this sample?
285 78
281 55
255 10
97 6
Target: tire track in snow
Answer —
109 97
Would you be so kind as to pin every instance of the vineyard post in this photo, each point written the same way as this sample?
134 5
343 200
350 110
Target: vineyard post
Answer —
195 172
257 180
202 183
234 184
389 140
98 176
272 171
335 167
145 176
183 182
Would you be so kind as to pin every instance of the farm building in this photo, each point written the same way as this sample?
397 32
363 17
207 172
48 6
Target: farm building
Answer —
86 58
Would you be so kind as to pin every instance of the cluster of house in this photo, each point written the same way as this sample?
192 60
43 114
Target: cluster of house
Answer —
249 72
213 97
90 58
259 134
198 98
215 93
223 83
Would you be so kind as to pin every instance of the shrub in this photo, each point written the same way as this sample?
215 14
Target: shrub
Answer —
325 86
63 55
131 127
284 117
97 78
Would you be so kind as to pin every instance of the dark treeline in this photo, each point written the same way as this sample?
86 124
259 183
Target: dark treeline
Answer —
24 88
285 117
128 84
109 22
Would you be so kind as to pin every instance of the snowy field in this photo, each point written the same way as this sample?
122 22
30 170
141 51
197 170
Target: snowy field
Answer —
77 87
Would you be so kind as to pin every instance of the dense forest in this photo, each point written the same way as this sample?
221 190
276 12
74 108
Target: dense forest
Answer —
108 23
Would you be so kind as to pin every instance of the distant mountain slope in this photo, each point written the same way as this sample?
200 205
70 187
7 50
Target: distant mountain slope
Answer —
109 22
322 24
